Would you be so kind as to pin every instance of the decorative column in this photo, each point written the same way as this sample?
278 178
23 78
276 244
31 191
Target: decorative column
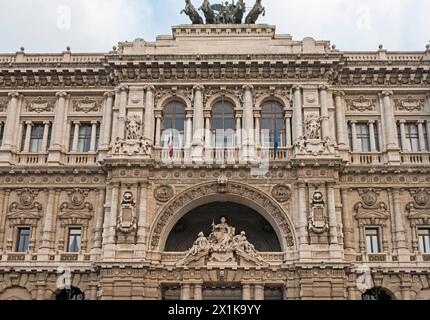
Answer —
98 230
189 125
113 215
93 146
198 292
47 125
340 120
28 127
149 113
48 222
348 229
122 114
246 292
9 141
400 234
325 125
389 121
428 133
106 126
186 292
75 136
158 117
248 116
257 120
354 136
421 136
372 136
302 212
238 129
208 138
59 122
332 217
4 199
259 292
198 121
142 218
405 145
297 113
288 131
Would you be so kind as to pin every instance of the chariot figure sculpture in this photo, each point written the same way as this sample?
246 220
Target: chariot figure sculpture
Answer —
228 12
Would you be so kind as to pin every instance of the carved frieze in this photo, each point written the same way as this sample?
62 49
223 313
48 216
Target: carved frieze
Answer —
281 192
360 104
87 105
164 193
40 105
127 220
409 104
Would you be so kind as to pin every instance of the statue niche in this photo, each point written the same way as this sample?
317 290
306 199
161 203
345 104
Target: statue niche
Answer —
127 221
222 247
318 221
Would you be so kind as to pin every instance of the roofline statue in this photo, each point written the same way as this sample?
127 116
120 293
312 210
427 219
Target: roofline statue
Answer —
224 12
192 13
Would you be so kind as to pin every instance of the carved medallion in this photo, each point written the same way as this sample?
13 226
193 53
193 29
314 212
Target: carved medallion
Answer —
422 197
26 197
281 192
40 105
163 193
370 197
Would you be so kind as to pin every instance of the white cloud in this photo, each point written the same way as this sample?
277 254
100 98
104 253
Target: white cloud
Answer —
97 25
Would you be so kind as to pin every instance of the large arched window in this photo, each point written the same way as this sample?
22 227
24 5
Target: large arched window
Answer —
272 121
377 294
223 124
174 124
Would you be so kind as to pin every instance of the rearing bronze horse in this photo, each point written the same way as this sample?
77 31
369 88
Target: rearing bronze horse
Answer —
239 11
256 11
192 13
208 12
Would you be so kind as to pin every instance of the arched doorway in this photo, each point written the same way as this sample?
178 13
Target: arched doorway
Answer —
259 232
380 294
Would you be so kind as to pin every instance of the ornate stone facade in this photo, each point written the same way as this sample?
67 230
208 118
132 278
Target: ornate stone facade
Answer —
103 157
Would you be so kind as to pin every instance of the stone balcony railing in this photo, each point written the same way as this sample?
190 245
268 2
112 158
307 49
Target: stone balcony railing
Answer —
37 159
415 158
220 156
270 257
29 159
89 158
369 158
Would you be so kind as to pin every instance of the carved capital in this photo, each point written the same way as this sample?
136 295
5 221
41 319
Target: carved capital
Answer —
123 89
198 87
47 123
248 87
149 87
109 94
339 93
61 94
323 87
387 93
297 87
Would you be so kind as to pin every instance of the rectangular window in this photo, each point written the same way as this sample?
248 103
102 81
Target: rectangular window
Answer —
74 240
363 137
372 240
424 240
412 136
23 240
84 138
351 145
36 138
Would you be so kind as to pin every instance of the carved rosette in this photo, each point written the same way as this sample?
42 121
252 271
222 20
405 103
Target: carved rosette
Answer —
233 188
164 193
127 220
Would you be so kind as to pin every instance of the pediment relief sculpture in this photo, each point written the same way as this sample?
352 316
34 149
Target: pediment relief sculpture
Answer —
370 210
127 220
76 210
419 209
27 211
40 105
222 247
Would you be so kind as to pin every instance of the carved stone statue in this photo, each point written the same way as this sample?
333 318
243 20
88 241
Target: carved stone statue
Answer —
221 235
192 13
201 244
133 128
313 126
256 11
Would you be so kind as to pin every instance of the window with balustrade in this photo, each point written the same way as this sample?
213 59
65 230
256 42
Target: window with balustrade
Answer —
84 137
362 135
174 124
272 125
34 138
223 124
413 136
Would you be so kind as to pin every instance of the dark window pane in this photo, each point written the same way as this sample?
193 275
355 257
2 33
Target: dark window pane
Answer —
74 243
272 118
23 241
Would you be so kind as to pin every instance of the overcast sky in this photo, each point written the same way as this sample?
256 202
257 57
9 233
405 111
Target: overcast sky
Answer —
97 25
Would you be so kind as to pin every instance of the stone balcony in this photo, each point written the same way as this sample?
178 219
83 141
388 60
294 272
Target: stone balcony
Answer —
378 158
69 159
